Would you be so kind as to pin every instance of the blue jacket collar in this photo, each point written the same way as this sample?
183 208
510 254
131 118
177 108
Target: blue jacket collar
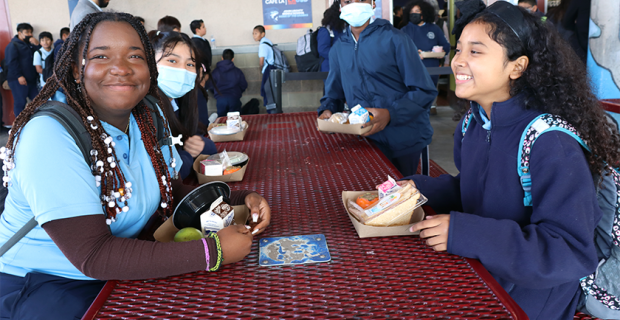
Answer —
377 24
504 113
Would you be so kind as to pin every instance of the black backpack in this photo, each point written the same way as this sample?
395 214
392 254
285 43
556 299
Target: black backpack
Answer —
251 107
48 71
72 121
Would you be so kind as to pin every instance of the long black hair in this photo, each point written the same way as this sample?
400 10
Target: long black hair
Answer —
556 82
331 17
73 50
428 12
187 121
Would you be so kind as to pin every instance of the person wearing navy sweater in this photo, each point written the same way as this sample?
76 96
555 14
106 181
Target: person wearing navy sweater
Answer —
420 26
333 28
511 67
22 76
230 82
376 66
178 87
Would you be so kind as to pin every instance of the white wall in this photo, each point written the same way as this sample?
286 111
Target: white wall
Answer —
231 22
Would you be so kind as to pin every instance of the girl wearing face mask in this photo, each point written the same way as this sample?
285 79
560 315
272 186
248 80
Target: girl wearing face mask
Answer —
175 55
419 25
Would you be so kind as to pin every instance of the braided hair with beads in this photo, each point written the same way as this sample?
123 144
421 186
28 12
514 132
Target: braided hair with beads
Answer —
115 189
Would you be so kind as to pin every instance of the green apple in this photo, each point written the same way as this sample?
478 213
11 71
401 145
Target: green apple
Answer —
187 234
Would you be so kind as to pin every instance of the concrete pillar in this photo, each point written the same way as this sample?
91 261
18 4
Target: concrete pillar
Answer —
604 48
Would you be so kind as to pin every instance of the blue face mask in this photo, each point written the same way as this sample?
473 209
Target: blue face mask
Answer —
175 82
357 13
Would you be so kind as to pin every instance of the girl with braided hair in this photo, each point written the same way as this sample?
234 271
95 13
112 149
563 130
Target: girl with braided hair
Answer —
179 88
537 238
88 218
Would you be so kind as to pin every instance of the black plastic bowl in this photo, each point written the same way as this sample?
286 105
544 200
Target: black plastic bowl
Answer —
195 203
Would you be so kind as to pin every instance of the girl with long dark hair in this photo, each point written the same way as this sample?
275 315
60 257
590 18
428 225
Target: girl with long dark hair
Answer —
512 68
88 218
179 88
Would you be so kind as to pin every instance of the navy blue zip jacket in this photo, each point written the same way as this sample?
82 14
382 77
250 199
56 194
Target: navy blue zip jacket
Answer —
18 55
538 253
229 80
383 70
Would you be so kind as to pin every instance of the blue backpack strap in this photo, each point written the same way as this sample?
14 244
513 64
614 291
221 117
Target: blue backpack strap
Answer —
541 124
466 121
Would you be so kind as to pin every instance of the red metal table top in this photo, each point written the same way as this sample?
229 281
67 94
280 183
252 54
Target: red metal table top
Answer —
302 172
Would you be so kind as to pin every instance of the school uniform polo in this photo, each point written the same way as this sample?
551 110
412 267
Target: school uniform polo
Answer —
39 60
265 51
52 181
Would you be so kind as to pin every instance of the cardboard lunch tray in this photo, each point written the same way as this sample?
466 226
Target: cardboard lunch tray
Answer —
326 126
233 177
430 54
166 232
227 138
364 231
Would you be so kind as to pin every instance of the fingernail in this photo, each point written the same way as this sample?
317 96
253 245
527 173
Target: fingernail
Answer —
255 231
255 217
410 229
248 227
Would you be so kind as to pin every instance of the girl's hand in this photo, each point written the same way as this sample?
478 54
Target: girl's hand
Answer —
194 145
325 115
236 242
259 211
420 54
380 120
434 230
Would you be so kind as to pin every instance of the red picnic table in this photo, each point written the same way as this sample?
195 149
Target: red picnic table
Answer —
302 173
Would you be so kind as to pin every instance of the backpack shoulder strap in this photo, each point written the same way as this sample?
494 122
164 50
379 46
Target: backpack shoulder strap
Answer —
541 124
151 102
71 120
466 121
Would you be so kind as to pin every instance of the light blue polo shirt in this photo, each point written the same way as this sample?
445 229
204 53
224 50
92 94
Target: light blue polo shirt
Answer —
52 181
265 51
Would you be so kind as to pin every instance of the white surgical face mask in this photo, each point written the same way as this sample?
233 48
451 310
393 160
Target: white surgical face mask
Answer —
175 82
357 13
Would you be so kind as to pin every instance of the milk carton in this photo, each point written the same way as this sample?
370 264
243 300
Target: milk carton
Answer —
359 115
219 216
234 121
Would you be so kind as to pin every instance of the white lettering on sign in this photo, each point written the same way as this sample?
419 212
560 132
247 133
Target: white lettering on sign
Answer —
275 1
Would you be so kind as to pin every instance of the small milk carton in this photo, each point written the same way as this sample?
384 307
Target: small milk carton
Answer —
359 115
234 121
218 217
211 167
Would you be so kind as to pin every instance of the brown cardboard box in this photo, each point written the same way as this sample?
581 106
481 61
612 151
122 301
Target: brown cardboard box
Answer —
166 232
430 54
237 176
233 137
364 231
326 126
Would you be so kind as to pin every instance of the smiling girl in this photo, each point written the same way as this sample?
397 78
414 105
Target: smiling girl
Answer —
88 218
513 68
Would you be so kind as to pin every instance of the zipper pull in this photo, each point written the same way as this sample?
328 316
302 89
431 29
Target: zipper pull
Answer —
489 136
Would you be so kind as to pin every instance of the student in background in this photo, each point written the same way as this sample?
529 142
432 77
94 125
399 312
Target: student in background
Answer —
266 61
64 34
333 28
169 23
38 61
231 83
372 65
531 7
22 76
204 47
85 7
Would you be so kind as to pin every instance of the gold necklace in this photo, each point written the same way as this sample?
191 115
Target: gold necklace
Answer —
127 129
